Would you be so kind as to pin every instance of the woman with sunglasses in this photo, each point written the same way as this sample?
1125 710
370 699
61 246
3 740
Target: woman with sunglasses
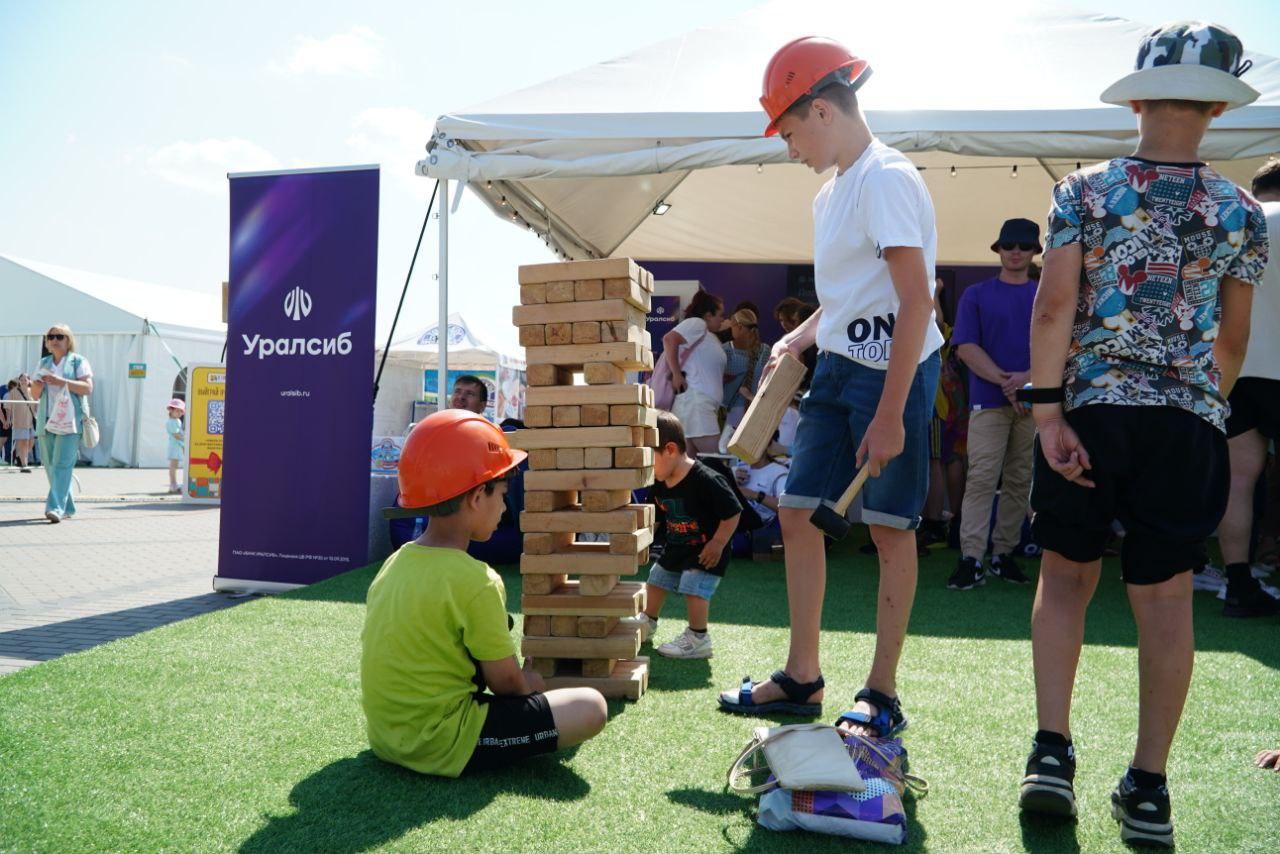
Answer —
745 358
62 368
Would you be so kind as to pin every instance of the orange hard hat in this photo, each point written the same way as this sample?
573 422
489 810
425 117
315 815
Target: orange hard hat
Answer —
448 453
803 67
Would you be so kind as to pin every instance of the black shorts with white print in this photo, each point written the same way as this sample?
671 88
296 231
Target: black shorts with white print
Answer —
515 729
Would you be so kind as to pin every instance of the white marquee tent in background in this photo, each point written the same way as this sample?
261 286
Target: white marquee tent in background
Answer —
994 102
117 323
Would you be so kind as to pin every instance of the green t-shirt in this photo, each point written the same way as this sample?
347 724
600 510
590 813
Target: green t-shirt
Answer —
432 614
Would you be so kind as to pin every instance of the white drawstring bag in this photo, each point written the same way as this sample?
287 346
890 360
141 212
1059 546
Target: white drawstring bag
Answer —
62 418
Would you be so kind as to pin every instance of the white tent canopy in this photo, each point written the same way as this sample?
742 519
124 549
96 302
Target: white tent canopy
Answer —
116 322
585 158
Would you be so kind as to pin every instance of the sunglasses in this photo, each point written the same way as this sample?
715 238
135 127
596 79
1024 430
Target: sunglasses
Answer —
55 336
1025 247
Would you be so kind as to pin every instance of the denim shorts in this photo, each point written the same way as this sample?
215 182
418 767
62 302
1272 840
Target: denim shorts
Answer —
834 415
691 582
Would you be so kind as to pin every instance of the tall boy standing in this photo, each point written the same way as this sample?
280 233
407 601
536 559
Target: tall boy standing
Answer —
1138 333
872 392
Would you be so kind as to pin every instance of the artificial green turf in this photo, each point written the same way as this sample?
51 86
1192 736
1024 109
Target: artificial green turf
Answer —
242 729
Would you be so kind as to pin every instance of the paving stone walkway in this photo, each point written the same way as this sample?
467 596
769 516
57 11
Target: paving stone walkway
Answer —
132 559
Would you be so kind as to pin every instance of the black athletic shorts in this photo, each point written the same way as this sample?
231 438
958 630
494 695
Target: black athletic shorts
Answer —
1255 405
1161 471
515 729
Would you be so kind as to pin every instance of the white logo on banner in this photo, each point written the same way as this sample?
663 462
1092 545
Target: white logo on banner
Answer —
297 304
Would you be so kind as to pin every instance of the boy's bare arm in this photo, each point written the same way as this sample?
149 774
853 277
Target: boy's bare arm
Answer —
505 678
1052 316
715 546
885 437
1233 330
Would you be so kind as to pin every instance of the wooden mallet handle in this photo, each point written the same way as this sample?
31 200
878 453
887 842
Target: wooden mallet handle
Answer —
851 491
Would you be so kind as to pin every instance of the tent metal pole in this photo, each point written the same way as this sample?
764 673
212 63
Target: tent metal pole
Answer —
137 399
442 326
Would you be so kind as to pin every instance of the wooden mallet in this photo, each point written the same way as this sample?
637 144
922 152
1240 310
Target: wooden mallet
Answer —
831 520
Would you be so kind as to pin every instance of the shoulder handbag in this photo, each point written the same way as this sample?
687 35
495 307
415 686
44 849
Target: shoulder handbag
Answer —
799 757
89 432
664 393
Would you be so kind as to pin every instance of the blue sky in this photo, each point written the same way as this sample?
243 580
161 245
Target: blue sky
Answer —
120 120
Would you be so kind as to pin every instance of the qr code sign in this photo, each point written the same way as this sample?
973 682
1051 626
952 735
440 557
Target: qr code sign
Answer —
217 411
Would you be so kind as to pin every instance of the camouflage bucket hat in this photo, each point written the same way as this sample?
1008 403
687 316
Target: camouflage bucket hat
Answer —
1188 61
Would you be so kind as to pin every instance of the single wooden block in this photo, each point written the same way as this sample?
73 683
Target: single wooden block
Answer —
595 415
620 330
643 557
622 642
602 500
625 544
544 667
539 626
597 458
766 409
631 415
596 627
577 395
646 279
543 458
598 667
559 292
624 520
534 294
613 309
597 585
548 375
592 563
545 544
629 680
586 332
537 416
569 458
596 268
633 458
565 626
548 502
574 437
566 416
540 585
629 290
533 336
625 599
558 333
628 356
628 478
645 437
588 290
603 373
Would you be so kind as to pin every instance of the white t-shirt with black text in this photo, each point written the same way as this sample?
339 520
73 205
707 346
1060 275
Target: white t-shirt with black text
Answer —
878 202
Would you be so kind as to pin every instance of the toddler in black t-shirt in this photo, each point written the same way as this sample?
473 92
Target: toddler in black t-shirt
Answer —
701 513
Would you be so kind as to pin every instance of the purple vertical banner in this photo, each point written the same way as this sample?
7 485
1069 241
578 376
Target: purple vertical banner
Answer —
304 265
664 314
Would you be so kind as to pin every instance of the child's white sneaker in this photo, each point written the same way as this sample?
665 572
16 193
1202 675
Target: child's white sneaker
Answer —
687 645
645 623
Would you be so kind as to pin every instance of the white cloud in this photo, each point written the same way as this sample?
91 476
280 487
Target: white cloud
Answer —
204 165
357 52
395 137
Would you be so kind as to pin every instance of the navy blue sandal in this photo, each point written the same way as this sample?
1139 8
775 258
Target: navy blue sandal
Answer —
797 693
888 720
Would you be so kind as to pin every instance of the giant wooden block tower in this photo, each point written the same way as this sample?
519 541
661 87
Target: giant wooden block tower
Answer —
589 446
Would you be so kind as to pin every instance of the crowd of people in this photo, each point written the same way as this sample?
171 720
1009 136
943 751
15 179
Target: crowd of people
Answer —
1111 395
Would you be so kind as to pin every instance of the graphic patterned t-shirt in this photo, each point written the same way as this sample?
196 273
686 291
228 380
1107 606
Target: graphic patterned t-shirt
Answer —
693 510
1157 239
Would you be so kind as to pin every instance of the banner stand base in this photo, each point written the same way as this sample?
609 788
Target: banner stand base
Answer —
244 585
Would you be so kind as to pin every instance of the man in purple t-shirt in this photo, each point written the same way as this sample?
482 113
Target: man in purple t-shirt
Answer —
993 338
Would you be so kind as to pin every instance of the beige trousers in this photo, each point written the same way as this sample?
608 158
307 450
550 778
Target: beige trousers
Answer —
1000 443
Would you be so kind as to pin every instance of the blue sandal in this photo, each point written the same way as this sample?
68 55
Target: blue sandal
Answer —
888 720
797 692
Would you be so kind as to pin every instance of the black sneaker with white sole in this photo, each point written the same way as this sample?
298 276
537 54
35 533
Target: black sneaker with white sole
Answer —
1004 566
968 575
1047 787
1246 599
1144 814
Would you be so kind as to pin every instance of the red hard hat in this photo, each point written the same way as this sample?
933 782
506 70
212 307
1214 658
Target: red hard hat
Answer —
448 453
804 66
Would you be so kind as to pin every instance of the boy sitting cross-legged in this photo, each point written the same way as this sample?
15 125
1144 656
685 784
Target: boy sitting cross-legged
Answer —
436 631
